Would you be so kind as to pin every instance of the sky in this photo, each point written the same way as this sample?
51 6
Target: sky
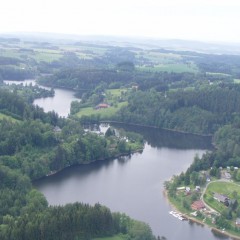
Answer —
207 20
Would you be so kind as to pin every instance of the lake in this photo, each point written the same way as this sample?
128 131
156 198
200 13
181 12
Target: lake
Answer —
60 103
133 185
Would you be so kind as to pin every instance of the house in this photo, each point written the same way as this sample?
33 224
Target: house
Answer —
135 87
237 222
208 179
57 129
102 105
198 205
227 175
221 198
188 190
197 188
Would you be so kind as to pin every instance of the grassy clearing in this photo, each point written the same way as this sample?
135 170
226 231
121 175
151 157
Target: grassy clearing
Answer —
165 58
6 52
116 92
178 68
217 74
46 56
237 81
226 188
3 116
116 237
104 113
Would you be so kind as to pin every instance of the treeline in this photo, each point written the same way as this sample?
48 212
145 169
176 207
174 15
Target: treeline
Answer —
227 140
9 61
121 75
39 144
215 63
24 214
15 106
29 93
14 73
201 110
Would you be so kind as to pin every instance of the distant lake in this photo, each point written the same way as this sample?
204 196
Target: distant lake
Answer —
60 103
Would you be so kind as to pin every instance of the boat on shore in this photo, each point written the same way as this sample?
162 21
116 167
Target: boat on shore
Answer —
177 215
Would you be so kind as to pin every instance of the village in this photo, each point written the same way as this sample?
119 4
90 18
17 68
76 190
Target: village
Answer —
215 201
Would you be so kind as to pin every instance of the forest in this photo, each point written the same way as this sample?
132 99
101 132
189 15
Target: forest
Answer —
200 111
184 91
34 144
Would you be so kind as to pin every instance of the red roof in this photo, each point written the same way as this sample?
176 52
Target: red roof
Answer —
197 205
102 105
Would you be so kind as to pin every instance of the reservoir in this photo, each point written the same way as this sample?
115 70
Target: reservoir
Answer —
133 185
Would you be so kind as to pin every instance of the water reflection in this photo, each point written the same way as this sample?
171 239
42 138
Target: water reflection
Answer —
162 138
132 184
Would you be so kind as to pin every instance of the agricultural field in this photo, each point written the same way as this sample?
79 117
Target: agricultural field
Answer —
236 80
177 68
46 56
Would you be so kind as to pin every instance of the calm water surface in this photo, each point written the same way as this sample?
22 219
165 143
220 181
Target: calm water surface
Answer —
134 185
60 103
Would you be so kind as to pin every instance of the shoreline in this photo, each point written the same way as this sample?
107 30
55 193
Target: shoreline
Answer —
155 127
194 220
91 162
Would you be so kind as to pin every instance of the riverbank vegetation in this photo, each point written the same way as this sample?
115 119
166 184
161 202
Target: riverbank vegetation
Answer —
222 196
180 90
40 144
29 92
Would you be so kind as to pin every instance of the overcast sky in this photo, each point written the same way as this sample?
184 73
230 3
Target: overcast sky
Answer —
214 20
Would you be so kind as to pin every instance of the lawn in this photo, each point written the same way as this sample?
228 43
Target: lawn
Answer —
104 113
226 188
116 92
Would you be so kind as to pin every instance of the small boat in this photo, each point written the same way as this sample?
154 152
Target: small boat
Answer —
178 215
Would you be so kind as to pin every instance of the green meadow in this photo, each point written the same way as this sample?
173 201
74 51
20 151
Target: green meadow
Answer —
232 190
103 113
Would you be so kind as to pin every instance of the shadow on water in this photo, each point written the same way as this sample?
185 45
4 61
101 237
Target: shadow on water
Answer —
164 138
82 170
219 235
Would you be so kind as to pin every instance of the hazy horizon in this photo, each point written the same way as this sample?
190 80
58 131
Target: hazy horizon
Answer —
199 20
